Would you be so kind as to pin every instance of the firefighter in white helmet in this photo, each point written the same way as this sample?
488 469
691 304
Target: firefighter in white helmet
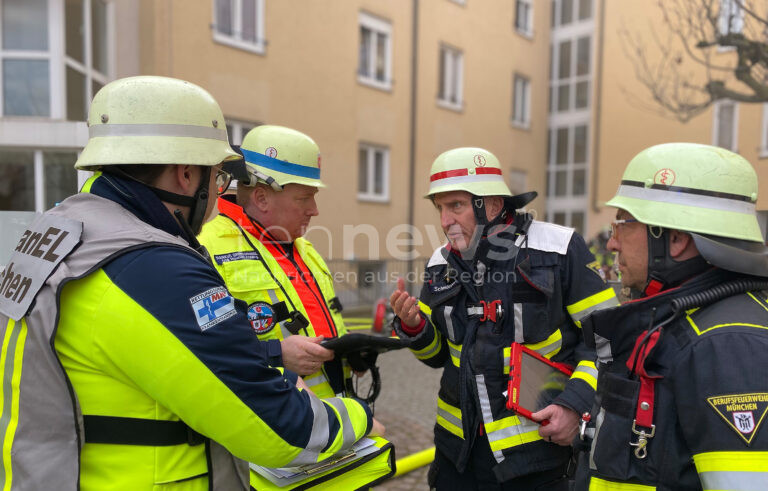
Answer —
683 389
128 363
501 278
257 245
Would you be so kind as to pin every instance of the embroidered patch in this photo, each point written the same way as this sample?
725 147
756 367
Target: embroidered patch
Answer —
595 267
261 315
743 412
212 307
236 256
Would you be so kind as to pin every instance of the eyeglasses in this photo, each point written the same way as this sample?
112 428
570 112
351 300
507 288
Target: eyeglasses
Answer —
616 226
223 179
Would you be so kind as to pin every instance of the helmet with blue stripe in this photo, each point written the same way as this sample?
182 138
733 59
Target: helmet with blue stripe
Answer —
277 156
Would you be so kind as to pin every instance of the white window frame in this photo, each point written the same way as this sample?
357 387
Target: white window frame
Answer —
239 129
453 74
527 29
376 25
730 14
369 195
764 133
236 40
734 124
521 93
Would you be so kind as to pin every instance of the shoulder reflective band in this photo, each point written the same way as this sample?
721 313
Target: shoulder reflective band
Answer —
698 198
280 165
457 176
184 130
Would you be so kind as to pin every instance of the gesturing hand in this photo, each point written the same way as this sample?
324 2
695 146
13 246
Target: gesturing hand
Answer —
405 306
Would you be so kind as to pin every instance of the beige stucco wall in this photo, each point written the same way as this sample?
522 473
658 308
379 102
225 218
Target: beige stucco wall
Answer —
307 79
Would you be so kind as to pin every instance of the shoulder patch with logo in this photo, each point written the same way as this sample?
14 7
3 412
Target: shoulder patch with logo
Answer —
212 307
595 267
236 256
261 315
743 412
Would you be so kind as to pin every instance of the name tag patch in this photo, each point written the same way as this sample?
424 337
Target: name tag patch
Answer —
236 256
261 315
212 307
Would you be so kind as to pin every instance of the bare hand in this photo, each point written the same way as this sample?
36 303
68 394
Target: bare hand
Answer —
377 429
405 306
563 424
304 355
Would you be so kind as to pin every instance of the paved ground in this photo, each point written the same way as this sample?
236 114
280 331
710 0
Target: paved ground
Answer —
406 407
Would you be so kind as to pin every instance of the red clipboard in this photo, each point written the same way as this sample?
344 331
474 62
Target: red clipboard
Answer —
534 381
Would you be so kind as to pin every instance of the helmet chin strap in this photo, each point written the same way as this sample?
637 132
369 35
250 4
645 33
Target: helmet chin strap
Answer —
663 271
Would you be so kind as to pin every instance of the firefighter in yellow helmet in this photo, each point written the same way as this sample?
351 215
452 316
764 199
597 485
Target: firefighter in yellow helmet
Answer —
683 393
257 245
503 277
128 364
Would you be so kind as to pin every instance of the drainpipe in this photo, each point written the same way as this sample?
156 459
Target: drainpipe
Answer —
600 41
412 136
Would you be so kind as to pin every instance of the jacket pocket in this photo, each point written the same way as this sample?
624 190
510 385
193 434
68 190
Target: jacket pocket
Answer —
611 451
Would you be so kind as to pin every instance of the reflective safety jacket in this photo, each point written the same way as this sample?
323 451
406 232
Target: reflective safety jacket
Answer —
134 368
708 399
276 280
537 297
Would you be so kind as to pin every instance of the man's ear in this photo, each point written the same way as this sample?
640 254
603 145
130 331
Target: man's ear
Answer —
493 206
186 178
681 246
260 199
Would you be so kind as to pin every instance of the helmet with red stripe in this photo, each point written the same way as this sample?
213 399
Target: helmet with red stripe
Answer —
474 170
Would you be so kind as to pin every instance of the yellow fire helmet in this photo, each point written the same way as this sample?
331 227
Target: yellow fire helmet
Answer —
154 120
277 155
474 170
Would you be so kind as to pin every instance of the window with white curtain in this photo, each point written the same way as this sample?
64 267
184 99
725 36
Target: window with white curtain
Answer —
240 23
451 77
375 53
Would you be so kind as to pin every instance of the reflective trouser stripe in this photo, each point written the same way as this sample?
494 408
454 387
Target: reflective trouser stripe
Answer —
432 348
600 300
517 310
11 361
448 321
449 417
740 471
597 484
598 425
455 350
587 372
550 346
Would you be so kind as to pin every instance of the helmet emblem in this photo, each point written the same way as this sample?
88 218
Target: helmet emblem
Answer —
479 160
665 177
271 152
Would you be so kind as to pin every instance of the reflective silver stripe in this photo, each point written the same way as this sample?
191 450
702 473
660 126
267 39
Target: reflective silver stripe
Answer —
474 311
485 408
585 369
423 355
697 200
611 302
186 130
598 423
465 179
318 439
604 353
448 322
518 312
455 351
313 381
734 480
449 417
348 430
549 348
514 430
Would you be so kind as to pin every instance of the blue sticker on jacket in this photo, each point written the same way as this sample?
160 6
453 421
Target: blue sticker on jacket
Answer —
236 256
261 315
212 307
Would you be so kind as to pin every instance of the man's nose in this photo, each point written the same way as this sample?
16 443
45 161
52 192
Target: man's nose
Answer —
312 210
613 244
446 218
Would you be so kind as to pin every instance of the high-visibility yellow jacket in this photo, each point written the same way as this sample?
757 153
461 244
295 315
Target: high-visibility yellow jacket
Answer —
136 369
275 279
